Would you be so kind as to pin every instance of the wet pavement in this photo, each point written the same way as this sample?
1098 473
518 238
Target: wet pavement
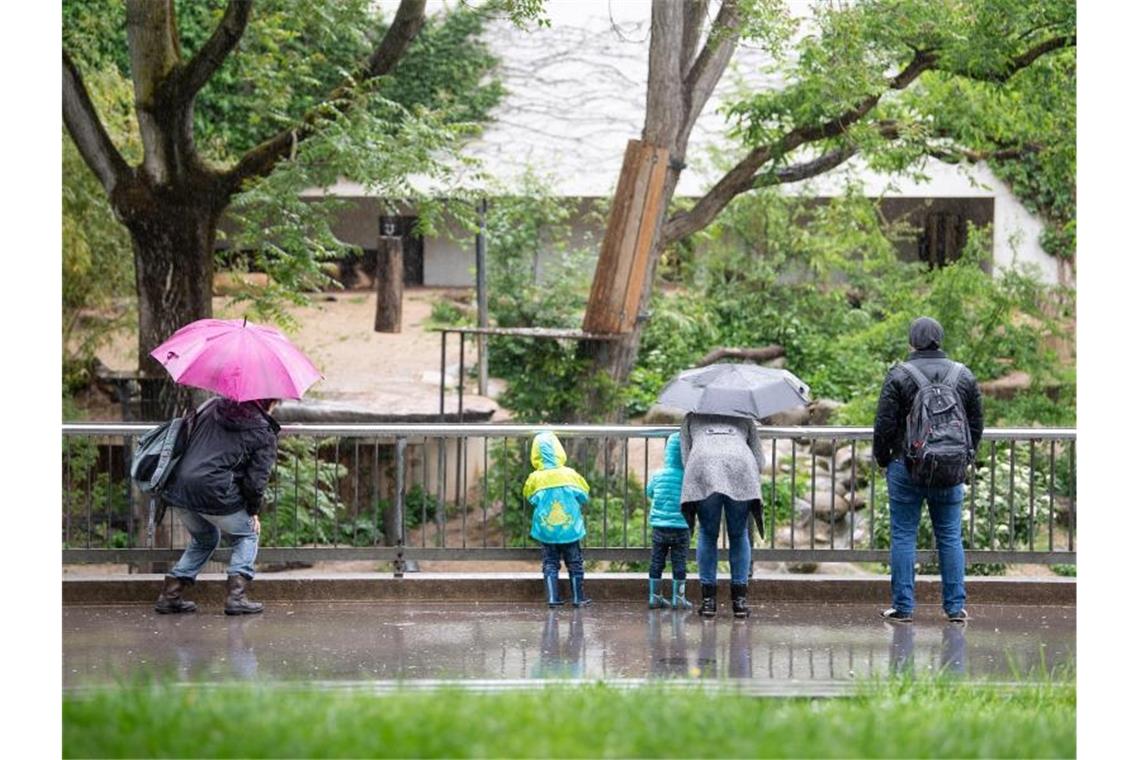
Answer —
783 648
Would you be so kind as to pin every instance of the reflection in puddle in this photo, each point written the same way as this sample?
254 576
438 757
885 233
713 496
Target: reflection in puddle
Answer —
373 642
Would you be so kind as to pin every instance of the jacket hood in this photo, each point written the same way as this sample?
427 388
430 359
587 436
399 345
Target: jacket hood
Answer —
241 415
546 452
673 451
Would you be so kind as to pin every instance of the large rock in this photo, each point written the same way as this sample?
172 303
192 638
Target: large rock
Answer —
1006 387
792 418
823 505
659 414
824 447
821 410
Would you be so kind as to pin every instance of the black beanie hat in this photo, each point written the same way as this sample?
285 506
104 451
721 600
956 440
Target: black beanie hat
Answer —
925 333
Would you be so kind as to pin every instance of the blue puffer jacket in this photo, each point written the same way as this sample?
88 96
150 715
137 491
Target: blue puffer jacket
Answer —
556 492
664 488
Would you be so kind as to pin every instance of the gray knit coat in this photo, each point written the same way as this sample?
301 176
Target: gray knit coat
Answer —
721 455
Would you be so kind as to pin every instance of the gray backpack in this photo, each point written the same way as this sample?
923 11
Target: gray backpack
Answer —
939 450
156 455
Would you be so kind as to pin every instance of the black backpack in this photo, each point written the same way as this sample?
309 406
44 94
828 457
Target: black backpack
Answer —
938 446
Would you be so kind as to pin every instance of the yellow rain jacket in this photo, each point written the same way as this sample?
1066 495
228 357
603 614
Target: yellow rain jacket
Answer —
556 492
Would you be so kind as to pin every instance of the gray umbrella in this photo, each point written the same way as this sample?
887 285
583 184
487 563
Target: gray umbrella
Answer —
736 390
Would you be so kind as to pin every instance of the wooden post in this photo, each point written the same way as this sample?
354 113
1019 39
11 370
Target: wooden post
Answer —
389 283
624 258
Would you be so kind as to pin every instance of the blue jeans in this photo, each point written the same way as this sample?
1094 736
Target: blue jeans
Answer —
945 506
739 548
553 554
205 532
669 542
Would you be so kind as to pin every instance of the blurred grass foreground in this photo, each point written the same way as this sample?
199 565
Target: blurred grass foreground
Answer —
899 718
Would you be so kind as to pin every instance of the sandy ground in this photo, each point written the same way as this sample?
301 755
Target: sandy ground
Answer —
384 371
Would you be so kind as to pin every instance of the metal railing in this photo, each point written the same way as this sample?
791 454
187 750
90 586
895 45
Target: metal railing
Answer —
405 493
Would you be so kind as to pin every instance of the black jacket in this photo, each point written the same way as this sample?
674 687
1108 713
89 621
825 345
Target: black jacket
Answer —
227 463
899 390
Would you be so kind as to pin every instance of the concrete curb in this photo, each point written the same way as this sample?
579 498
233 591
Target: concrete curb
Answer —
527 588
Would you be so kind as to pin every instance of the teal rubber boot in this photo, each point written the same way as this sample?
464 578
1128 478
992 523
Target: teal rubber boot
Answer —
656 601
679 600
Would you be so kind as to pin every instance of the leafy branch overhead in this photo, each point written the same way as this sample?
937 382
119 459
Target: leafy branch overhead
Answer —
240 106
845 100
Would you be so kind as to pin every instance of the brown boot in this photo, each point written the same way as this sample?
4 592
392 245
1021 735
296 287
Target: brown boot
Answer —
170 601
236 603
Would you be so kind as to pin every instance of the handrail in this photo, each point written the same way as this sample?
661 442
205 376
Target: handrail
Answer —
388 430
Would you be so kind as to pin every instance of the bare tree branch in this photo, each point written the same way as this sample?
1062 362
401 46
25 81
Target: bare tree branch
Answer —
405 26
261 159
695 13
87 132
955 156
806 169
707 69
663 93
221 43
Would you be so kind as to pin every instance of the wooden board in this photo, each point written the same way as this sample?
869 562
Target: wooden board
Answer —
624 258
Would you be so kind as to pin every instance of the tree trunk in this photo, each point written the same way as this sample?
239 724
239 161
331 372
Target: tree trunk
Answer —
389 284
174 273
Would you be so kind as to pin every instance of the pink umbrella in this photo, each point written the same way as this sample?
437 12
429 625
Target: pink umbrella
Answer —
236 359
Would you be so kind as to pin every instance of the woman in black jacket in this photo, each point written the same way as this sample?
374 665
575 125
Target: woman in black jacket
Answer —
217 489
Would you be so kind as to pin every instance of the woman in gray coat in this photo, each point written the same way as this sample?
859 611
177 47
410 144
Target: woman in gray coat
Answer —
722 459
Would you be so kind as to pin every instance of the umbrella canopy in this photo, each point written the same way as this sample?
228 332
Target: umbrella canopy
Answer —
735 390
236 359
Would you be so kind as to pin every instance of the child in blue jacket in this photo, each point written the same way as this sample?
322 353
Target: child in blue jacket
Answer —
557 494
671 531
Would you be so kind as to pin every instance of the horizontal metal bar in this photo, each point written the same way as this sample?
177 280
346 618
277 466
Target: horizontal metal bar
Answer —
429 430
493 554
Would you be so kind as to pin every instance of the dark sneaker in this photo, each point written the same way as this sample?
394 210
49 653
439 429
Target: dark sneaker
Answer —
894 615
958 617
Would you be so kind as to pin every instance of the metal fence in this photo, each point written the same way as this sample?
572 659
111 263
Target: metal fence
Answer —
405 493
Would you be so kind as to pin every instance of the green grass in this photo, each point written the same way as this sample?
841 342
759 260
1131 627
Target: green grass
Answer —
892 719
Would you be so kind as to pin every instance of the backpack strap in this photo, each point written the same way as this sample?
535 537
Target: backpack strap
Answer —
919 378
952 378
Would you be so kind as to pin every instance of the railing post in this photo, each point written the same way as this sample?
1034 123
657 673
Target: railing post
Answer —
401 450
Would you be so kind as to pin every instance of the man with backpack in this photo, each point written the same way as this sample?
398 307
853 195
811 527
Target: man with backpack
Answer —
927 430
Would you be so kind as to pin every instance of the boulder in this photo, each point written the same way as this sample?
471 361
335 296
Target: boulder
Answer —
824 447
659 414
821 410
802 568
792 418
1062 511
802 510
822 508
1008 386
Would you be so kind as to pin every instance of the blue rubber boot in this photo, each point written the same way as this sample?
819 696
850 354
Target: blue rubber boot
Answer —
679 600
580 599
656 601
552 599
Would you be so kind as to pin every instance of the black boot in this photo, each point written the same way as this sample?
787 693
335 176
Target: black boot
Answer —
579 599
708 600
170 600
740 600
551 582
236 603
